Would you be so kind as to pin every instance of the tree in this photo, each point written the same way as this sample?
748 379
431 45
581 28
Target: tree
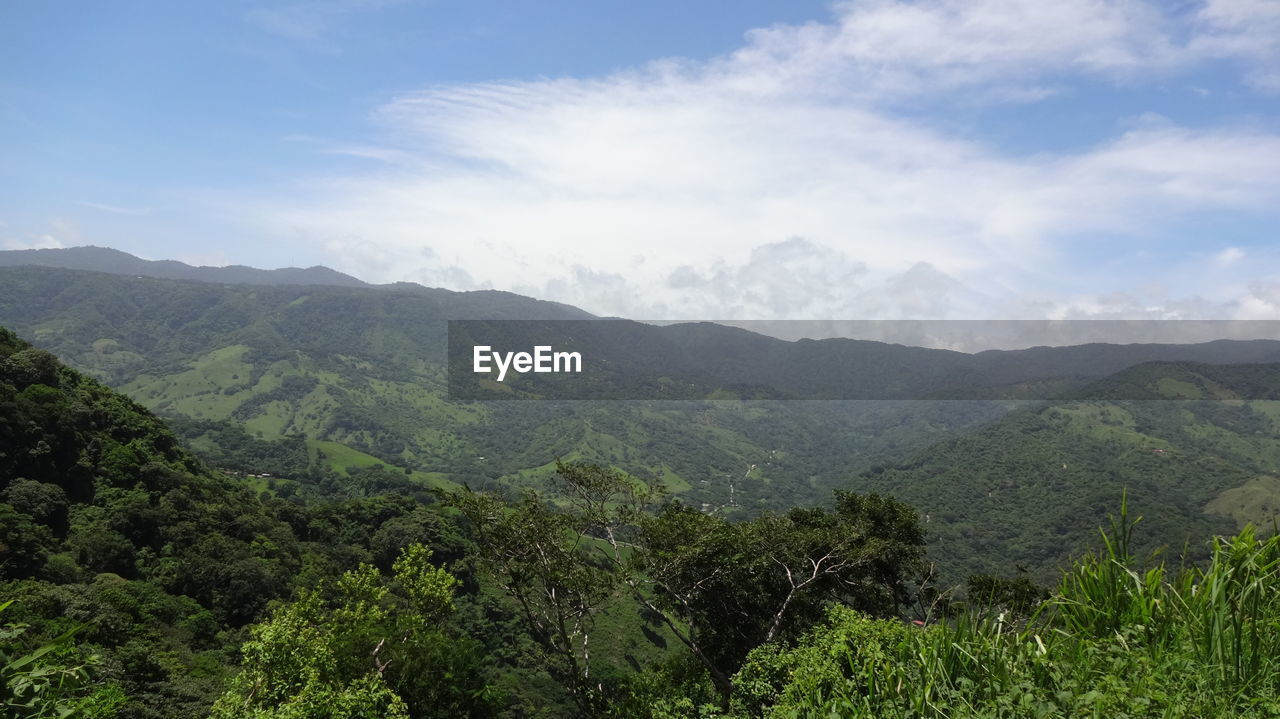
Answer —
543 560
23 543
736 586
335 652
722 588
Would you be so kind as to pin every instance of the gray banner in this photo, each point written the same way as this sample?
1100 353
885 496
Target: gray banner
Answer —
978 359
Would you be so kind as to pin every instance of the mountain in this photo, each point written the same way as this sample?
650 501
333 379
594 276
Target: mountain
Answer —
359 374
327 409
1189 380
346 378
106 520
1028 491
105 259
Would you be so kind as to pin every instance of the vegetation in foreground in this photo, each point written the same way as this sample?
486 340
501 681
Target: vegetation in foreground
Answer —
1114 640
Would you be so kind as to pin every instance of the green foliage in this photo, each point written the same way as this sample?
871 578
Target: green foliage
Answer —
1019 595
1114 640
539 557
52 680
720 587
106 521
335 653
739 585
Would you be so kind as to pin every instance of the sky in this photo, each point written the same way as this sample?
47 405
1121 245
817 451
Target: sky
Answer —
717 159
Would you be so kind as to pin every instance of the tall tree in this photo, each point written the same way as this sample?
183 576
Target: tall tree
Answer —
543 560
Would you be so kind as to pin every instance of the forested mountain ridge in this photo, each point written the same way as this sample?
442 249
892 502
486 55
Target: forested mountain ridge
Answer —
289 380
108 520
358 372
105 259
185 588
1029 489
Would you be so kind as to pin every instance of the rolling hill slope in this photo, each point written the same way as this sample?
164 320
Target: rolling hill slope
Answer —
363 367
356 375
1030 490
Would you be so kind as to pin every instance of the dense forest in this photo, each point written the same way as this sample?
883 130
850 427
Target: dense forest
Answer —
140 581
168 587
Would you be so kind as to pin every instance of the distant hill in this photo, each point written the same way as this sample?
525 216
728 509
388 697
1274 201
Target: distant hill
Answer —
1030 490
360 373
356 374
105 259
1188 381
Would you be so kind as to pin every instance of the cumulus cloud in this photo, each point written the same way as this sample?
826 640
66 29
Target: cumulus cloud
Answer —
785 180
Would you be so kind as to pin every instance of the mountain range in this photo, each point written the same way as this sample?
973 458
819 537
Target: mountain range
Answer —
105 259
351 375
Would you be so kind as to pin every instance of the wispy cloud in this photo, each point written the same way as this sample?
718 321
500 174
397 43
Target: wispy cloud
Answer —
117 210
1228 257
785 180
310 20
1246 30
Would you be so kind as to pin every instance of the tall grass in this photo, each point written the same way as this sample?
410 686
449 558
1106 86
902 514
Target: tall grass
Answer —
1120 637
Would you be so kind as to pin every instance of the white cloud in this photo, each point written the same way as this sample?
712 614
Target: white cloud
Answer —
62 233
1228 257
886 47
39 242
671 190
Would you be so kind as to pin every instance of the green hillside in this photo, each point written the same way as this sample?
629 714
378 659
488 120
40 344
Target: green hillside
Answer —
136 571
1029 490
337 378
362 367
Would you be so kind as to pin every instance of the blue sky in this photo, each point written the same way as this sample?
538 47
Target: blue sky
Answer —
724 158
